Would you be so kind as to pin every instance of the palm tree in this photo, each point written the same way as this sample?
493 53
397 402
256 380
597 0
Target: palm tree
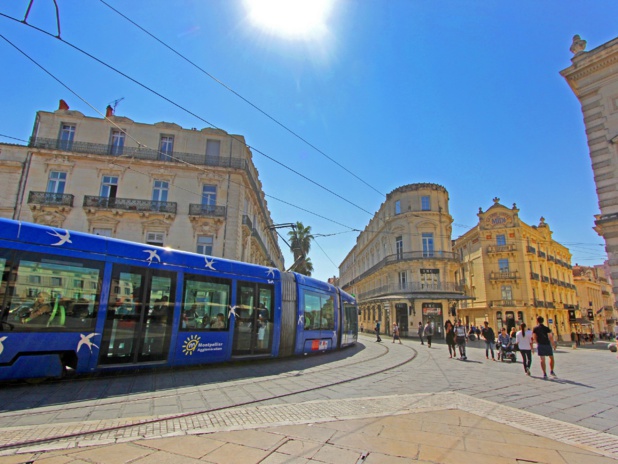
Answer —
300 244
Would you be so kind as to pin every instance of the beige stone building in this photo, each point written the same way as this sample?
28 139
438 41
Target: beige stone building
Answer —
596 311
515 272
193 190
593 77
402 268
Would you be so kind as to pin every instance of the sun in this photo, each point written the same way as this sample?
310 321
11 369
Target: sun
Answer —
291 19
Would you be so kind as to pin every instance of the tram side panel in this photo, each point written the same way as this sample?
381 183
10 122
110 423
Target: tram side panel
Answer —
318 314
290 321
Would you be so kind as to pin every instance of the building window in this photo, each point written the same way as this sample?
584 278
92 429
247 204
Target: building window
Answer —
507 292
67 134
398 207
34 279
116 142
427 238
166 147
160 190
213 148
209 195
503 265
204 244
403 280
399 247
102 232
500 240
55 186
425 203
109 186
430 278
155 238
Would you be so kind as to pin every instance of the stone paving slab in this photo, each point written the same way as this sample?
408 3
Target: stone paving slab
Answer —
453 422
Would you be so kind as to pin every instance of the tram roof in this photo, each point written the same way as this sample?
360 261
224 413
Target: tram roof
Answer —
58 238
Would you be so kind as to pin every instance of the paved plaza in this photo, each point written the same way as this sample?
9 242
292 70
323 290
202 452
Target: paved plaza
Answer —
376 402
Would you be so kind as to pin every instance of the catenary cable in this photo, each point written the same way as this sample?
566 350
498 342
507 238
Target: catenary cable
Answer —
228 88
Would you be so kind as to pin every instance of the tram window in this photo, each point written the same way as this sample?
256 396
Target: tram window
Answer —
205 303
54 303
319 311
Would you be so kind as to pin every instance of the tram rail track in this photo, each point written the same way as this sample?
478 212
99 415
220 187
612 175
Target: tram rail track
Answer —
14 440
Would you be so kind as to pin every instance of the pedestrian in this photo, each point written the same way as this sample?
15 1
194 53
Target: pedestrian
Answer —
460 339
490 340
396 333
377 329
542 336
523 338
420 332
449 335
428 332
503 343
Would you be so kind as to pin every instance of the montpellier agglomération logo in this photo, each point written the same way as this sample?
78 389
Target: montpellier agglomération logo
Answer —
190 345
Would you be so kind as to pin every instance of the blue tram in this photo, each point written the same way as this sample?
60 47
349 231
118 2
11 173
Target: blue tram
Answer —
83 303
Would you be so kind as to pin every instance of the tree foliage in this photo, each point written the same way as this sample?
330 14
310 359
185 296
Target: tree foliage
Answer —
300 244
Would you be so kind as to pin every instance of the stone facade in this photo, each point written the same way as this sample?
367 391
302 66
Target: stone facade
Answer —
593 77
402 268
595 300
193 190
515 272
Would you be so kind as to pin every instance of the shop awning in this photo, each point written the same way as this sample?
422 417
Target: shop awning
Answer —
582 321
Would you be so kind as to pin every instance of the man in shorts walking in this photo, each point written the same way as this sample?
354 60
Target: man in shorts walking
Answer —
460 339
542 336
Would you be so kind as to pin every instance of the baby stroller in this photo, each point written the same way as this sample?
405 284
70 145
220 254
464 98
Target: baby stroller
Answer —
506 352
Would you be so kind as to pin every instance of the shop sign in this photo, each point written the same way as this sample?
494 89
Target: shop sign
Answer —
572 317
590 314
432 309
430 271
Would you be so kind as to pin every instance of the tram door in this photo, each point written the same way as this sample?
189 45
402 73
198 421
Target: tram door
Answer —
253 328
140 314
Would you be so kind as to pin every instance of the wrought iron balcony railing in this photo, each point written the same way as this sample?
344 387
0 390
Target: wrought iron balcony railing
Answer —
531 249
534 276
129 204
507 303
246 221
51 199
207 210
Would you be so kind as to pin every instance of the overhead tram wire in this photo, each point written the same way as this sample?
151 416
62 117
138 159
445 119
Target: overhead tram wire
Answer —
228 88
171 156
177 105
143 145
13 138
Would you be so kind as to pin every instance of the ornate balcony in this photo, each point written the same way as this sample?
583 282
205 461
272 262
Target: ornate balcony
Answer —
507 303
129 204
504 275
50 199
530 249
207 210
411 289
542 254
509 248
534 276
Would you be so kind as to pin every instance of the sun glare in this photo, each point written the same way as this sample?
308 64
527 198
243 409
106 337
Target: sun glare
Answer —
292 19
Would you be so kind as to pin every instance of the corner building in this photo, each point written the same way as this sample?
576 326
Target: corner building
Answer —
189 189
402 268
515 272
593 78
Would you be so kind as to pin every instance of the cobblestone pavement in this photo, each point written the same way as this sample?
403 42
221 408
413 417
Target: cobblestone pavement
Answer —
574 410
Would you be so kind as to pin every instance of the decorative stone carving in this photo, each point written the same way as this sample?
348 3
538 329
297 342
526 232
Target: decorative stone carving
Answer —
60 163
578 46
52 218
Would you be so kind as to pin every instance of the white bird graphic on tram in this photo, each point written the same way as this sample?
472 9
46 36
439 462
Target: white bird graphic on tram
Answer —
153 255
66 238
85 340
1 345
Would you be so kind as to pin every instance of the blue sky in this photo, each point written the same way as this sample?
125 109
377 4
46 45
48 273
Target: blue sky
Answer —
466 94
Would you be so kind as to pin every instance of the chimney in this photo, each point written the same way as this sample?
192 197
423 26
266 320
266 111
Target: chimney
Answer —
109 111
63 105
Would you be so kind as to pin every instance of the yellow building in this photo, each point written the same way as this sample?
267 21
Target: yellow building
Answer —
189 189
596 312
515 272
402 268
